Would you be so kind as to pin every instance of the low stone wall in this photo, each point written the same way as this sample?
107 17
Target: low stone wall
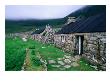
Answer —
20 35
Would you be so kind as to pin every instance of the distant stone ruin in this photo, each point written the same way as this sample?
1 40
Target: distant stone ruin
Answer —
47 36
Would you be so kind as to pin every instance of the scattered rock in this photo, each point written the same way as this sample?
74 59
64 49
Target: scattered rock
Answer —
59 59
51 61
55 65
67 61
24 39
61 62
67 66
74 64
62 69
68 57
22 69
95 67
43 61
73 59
77 57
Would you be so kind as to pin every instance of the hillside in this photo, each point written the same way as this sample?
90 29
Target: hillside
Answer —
88 11
26 25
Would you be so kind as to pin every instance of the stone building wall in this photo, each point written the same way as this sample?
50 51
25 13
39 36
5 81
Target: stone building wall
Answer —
64 41
36 37
94 45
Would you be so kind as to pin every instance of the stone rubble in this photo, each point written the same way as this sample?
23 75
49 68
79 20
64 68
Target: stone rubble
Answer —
51 61
67 66
67 61
74 64
55 65
61 62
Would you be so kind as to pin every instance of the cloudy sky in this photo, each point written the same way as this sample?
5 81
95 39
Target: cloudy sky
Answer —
39 11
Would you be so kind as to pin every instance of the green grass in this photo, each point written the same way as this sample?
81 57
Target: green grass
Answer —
33 62
15 53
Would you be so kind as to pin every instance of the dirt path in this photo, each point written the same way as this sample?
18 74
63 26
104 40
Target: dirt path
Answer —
26 61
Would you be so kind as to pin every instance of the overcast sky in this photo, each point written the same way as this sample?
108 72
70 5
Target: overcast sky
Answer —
39 11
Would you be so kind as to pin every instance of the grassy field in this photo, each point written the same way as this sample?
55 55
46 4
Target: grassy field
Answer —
15 54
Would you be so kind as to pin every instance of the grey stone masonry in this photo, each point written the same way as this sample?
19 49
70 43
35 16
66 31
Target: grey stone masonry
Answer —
47 36
93 45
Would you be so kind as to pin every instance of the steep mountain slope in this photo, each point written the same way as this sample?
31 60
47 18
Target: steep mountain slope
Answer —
89 11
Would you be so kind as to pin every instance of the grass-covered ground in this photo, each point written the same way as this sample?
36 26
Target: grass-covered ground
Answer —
15 54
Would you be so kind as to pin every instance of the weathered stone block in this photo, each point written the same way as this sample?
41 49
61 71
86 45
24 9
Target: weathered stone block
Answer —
68 61
61 63
51 61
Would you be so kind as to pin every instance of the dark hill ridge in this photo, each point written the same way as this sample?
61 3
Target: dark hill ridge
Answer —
26 25
89 10
96 23
34 22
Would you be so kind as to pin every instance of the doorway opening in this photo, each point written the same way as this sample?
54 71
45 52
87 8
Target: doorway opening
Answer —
79 44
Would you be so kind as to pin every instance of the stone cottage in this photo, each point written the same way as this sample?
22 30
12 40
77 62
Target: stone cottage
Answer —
86 37
45 35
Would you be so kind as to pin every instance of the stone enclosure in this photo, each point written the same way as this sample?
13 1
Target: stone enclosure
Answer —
92 46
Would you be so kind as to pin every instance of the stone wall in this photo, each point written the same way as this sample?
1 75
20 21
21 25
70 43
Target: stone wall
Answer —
20 35
64 41
36 37
94 45
47 36
95 48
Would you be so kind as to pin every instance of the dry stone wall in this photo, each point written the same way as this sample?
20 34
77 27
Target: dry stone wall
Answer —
95 48
47 36
64 41
94 45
